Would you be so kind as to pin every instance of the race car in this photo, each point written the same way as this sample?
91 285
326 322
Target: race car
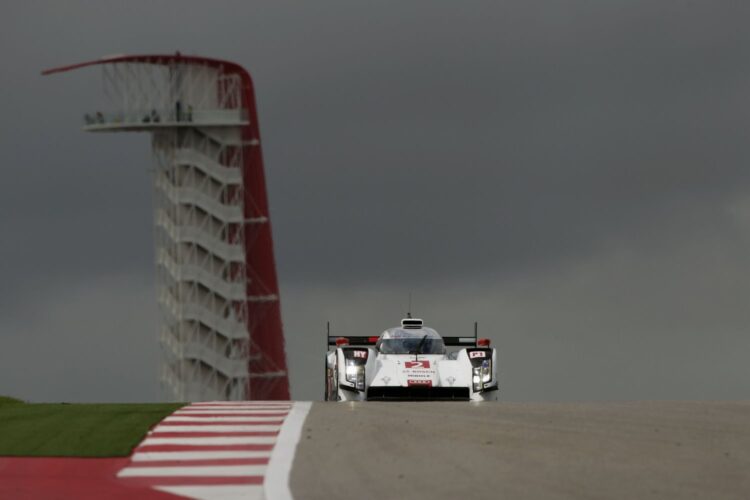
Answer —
410 362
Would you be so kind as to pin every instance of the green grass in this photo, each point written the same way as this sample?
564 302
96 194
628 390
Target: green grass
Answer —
5 400
75 430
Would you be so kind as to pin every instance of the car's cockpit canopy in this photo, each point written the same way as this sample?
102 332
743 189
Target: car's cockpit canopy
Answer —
410 338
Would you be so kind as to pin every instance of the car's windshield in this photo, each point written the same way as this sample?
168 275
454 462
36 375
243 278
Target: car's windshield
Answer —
411 345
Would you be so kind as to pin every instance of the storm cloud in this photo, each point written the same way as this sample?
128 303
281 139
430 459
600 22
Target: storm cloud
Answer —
573 176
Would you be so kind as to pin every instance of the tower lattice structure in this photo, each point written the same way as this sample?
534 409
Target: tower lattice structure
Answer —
221 333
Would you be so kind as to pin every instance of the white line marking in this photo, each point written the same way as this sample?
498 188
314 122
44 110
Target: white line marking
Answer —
223 419
241 403
217 492
276 483
210 441
249 411
152 456
238 403
237 417
216 428
229 409
259 410
194 471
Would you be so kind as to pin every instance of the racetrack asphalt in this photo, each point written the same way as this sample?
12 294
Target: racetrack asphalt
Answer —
524 451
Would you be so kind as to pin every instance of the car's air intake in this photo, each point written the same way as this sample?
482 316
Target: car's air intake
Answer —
380 393
412 323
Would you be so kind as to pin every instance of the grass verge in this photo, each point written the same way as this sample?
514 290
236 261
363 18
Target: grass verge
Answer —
5 400
75 430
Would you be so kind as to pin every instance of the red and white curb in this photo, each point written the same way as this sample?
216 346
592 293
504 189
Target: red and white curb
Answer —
221 450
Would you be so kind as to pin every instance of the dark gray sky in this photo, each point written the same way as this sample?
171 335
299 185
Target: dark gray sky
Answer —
572 175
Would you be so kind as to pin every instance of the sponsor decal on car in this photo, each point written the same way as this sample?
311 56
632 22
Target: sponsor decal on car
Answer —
419 383
477 354
417 364
360 354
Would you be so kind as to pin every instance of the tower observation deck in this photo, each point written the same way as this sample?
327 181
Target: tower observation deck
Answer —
221 332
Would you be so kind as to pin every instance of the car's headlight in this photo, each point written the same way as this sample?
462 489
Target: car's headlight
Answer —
477 378
355 374
486 371
481 375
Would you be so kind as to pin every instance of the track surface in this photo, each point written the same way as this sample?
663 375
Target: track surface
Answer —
523 451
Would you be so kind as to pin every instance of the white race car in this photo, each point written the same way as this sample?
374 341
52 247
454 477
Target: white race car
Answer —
410 362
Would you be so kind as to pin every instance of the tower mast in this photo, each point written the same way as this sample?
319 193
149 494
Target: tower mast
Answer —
221 331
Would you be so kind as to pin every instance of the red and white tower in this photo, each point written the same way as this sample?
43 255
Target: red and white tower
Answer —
221 332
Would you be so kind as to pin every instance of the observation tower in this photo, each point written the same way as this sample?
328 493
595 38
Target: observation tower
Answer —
221 332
